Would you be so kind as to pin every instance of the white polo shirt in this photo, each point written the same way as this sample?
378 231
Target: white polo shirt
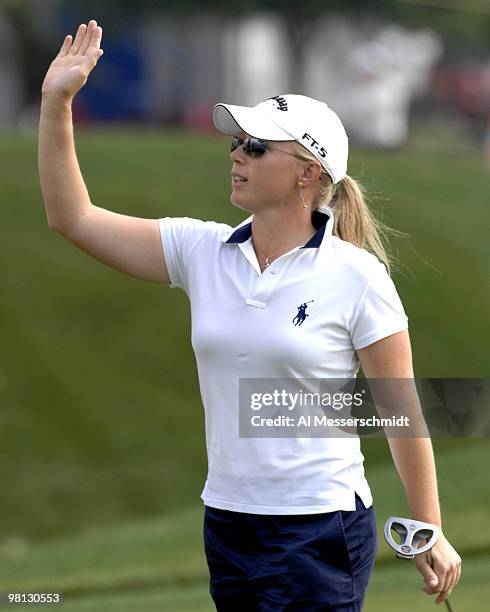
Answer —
242 327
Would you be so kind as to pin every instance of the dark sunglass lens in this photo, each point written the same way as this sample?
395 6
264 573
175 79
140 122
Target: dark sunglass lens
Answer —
236 142
255 147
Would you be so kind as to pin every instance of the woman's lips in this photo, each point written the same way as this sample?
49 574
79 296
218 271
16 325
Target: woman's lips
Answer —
237 180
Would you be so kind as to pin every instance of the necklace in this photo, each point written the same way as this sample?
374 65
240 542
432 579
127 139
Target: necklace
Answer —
268 260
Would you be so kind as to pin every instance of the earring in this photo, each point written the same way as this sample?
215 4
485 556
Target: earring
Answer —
305 205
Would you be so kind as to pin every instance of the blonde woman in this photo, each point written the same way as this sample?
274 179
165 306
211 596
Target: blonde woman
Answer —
298 290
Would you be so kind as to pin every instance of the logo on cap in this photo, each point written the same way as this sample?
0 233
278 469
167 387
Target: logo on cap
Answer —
282 104
313 144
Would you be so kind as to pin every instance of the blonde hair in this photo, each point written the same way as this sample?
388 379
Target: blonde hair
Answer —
353 220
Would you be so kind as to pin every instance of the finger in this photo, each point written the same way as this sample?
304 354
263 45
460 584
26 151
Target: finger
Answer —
95 40
431 582
447 583
424 565
65 47
454 577
94 53
458 575
88 37
97 37
94 44
78 39
443 595
91 58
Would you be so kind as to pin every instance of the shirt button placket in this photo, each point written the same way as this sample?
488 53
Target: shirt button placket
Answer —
263 286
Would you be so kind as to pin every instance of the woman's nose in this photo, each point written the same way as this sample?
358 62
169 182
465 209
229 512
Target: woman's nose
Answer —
238 155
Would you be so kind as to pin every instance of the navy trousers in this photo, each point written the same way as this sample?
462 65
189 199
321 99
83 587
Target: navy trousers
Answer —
285 563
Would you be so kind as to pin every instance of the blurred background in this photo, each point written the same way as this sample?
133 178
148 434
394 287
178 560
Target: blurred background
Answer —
102 456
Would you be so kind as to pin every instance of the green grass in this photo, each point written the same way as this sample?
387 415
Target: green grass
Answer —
160 561
394 588
101 424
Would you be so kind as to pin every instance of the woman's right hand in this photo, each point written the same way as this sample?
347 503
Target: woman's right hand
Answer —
69 70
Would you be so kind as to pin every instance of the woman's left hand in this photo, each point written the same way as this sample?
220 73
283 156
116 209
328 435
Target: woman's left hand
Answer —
441 568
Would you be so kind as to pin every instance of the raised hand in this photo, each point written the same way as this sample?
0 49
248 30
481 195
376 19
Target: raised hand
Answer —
69 71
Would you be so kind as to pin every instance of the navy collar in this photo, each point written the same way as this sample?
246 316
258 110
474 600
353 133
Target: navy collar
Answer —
243 233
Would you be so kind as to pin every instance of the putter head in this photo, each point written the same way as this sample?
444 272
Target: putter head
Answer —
411 534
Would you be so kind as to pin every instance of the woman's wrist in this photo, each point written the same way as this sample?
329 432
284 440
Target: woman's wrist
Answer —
54 99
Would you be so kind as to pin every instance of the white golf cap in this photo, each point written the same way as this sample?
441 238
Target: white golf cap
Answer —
291 117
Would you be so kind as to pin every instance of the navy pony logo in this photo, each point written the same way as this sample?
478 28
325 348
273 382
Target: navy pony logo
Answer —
300 318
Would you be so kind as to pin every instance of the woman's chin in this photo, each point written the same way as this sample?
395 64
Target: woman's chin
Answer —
237 201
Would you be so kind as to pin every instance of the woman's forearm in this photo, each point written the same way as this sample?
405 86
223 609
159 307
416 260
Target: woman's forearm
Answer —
65 195
414 461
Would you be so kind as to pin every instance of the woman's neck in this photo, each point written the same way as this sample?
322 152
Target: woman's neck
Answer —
273 235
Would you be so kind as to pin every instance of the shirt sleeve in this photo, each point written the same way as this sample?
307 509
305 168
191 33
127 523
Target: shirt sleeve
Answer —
379 312
180 236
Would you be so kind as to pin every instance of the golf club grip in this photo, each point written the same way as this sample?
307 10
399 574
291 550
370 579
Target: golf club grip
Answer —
448 605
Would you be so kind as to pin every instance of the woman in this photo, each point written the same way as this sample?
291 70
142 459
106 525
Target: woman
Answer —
289 523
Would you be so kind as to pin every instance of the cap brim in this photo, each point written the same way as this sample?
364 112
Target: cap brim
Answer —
230 119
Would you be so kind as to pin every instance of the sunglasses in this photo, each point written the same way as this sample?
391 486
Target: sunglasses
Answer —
255 147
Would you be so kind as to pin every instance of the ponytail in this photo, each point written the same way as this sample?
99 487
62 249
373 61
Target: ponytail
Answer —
353 220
